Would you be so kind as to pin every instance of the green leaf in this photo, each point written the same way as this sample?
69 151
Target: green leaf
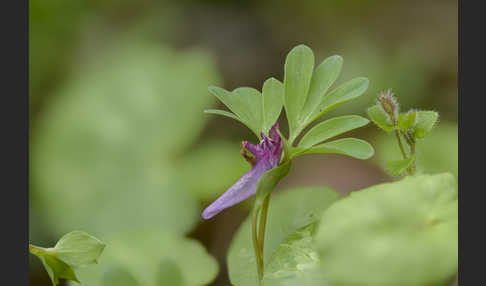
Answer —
118 276
225 113
299 66
78 248
401 233
436 154
57 269
272 102
344 93
269 180
145 255
352 147
324 76
425 122
169 274
331 128
290 211
109 138
378 115
397 167
407 121
252 101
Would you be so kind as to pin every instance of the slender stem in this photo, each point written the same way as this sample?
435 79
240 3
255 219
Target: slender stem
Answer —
412 153
263 223
400 144
256 245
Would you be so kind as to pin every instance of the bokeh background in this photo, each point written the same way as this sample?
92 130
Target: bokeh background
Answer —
120 146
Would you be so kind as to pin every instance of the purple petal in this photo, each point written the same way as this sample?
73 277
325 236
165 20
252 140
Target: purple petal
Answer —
267 156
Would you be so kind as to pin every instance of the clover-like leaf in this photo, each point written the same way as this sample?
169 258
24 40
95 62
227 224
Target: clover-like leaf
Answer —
331 128
397 167
74 249
407 120
356 148
272 93
344 93
241 103
78 248
57 269
322 79
378 115
169 273
119 276
387 230
299 66
425 122
290 212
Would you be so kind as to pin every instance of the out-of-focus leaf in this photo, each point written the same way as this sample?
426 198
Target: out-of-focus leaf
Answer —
144 256
272 93
107 139
169 274
356 148
324 76
270 179
378 115
407 121
436 153
397 167
331 128
118 276
343 93
400 233
212 168
78 248
299 66
289 211
425 122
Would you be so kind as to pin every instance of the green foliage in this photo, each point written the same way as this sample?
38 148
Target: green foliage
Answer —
256 111
436 154
107 143
407 120
425 122
352 147
378 115
401 233
74 249
331 128
272 92
152 257
78 248
398 167
299 66
290 212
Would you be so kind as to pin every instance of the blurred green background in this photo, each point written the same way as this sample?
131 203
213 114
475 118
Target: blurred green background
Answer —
120 147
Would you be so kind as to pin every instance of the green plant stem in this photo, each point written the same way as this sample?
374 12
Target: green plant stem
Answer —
256 244
400 144
263 223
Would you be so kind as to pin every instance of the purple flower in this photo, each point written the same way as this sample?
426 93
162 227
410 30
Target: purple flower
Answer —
267 156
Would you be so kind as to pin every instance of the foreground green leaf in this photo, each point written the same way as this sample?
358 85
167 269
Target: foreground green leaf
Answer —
289 212
153 256
299 66
331 128
356 148
272 93
402 233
